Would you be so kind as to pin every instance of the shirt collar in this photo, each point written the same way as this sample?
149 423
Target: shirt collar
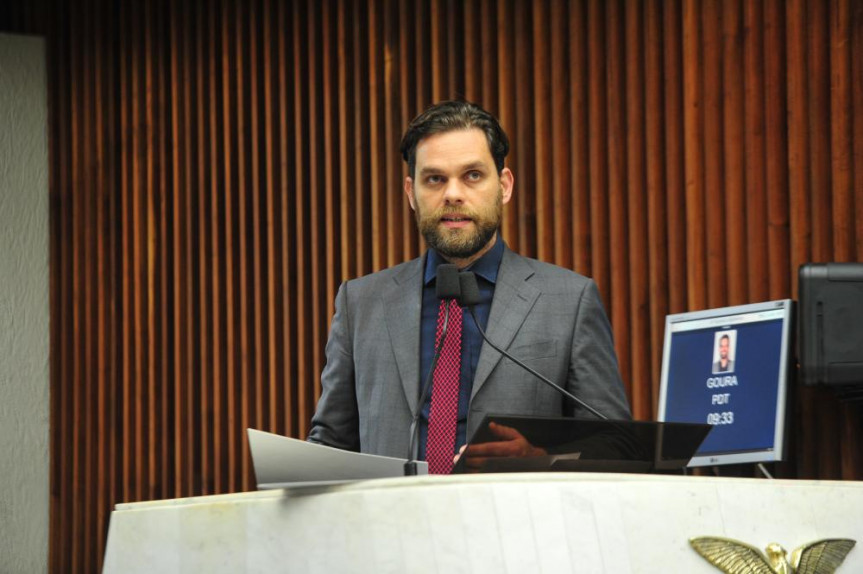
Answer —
486 266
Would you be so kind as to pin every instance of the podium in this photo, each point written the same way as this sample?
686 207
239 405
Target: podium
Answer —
548 522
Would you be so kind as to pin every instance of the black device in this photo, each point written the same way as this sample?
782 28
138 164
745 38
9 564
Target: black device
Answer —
591 445
830 320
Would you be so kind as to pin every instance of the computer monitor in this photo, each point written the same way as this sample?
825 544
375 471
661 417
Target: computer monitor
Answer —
729 368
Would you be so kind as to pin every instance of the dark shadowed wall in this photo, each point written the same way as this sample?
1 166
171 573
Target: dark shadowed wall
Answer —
219 167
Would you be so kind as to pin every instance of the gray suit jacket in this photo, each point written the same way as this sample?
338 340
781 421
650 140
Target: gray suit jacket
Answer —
549 317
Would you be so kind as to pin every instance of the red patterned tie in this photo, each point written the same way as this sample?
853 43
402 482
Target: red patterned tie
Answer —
443 417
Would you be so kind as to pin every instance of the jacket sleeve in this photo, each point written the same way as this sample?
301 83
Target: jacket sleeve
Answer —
594 375
336 420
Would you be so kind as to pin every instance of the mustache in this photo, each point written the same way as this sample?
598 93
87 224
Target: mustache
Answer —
448 211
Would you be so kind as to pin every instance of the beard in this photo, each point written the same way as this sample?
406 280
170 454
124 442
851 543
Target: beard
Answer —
465 242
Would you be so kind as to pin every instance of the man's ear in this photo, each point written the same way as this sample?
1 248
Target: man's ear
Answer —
409 191
507 182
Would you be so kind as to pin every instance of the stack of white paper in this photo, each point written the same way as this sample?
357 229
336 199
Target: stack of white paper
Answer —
281 461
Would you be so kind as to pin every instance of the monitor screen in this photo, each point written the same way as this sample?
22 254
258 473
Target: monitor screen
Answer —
728 368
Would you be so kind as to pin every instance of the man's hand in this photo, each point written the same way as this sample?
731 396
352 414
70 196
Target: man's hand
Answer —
511 444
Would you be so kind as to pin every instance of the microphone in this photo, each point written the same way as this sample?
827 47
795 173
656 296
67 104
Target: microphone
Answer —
469 297
447 283
447 287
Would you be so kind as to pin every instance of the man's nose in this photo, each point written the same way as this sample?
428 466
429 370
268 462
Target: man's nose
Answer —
454 191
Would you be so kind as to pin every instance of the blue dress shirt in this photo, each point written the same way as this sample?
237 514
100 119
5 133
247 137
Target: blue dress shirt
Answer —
485 268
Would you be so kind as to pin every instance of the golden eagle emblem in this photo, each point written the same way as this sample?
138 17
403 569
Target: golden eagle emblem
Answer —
735 557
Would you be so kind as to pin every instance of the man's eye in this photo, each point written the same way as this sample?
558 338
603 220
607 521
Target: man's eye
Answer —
434 179
474 176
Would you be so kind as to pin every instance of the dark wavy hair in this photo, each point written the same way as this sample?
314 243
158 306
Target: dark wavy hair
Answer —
450 116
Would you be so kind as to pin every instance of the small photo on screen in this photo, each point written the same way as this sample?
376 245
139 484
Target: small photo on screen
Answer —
724 351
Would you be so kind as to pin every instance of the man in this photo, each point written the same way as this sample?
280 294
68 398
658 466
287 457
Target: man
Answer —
724 364
385 326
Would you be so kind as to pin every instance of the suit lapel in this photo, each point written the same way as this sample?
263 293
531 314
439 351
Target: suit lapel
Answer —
513 300
403 299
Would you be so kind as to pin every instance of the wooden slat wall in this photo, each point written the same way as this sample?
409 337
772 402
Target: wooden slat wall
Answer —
218 168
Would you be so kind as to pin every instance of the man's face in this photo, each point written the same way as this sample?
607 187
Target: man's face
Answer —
457 194
723 348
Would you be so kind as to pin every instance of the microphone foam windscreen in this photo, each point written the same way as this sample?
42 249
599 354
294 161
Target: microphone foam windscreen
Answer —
447 284
469 289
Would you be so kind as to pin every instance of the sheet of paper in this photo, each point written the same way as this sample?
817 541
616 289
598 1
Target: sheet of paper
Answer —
282 461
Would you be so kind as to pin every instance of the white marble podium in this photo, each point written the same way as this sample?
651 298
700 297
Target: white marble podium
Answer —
554 522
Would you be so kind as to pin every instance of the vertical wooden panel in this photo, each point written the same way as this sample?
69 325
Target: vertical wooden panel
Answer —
217 169
842 171
598 166
397 218
83 233
694 141
161 255
300 214
453 46
376 135
857 94
616 193
487 49
806 145
818 64
710 101
85 268
675 157
315 214
332 172
361 131
149 253
437 41
736 241
272 397
285 216
206 72
798 135
542 136
255 413
656 190
637 248
347 191
213 283
409 107
580 130
842 168
472 51
782 279
755 154
561 168
507 113
106 479
522 139
235 236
